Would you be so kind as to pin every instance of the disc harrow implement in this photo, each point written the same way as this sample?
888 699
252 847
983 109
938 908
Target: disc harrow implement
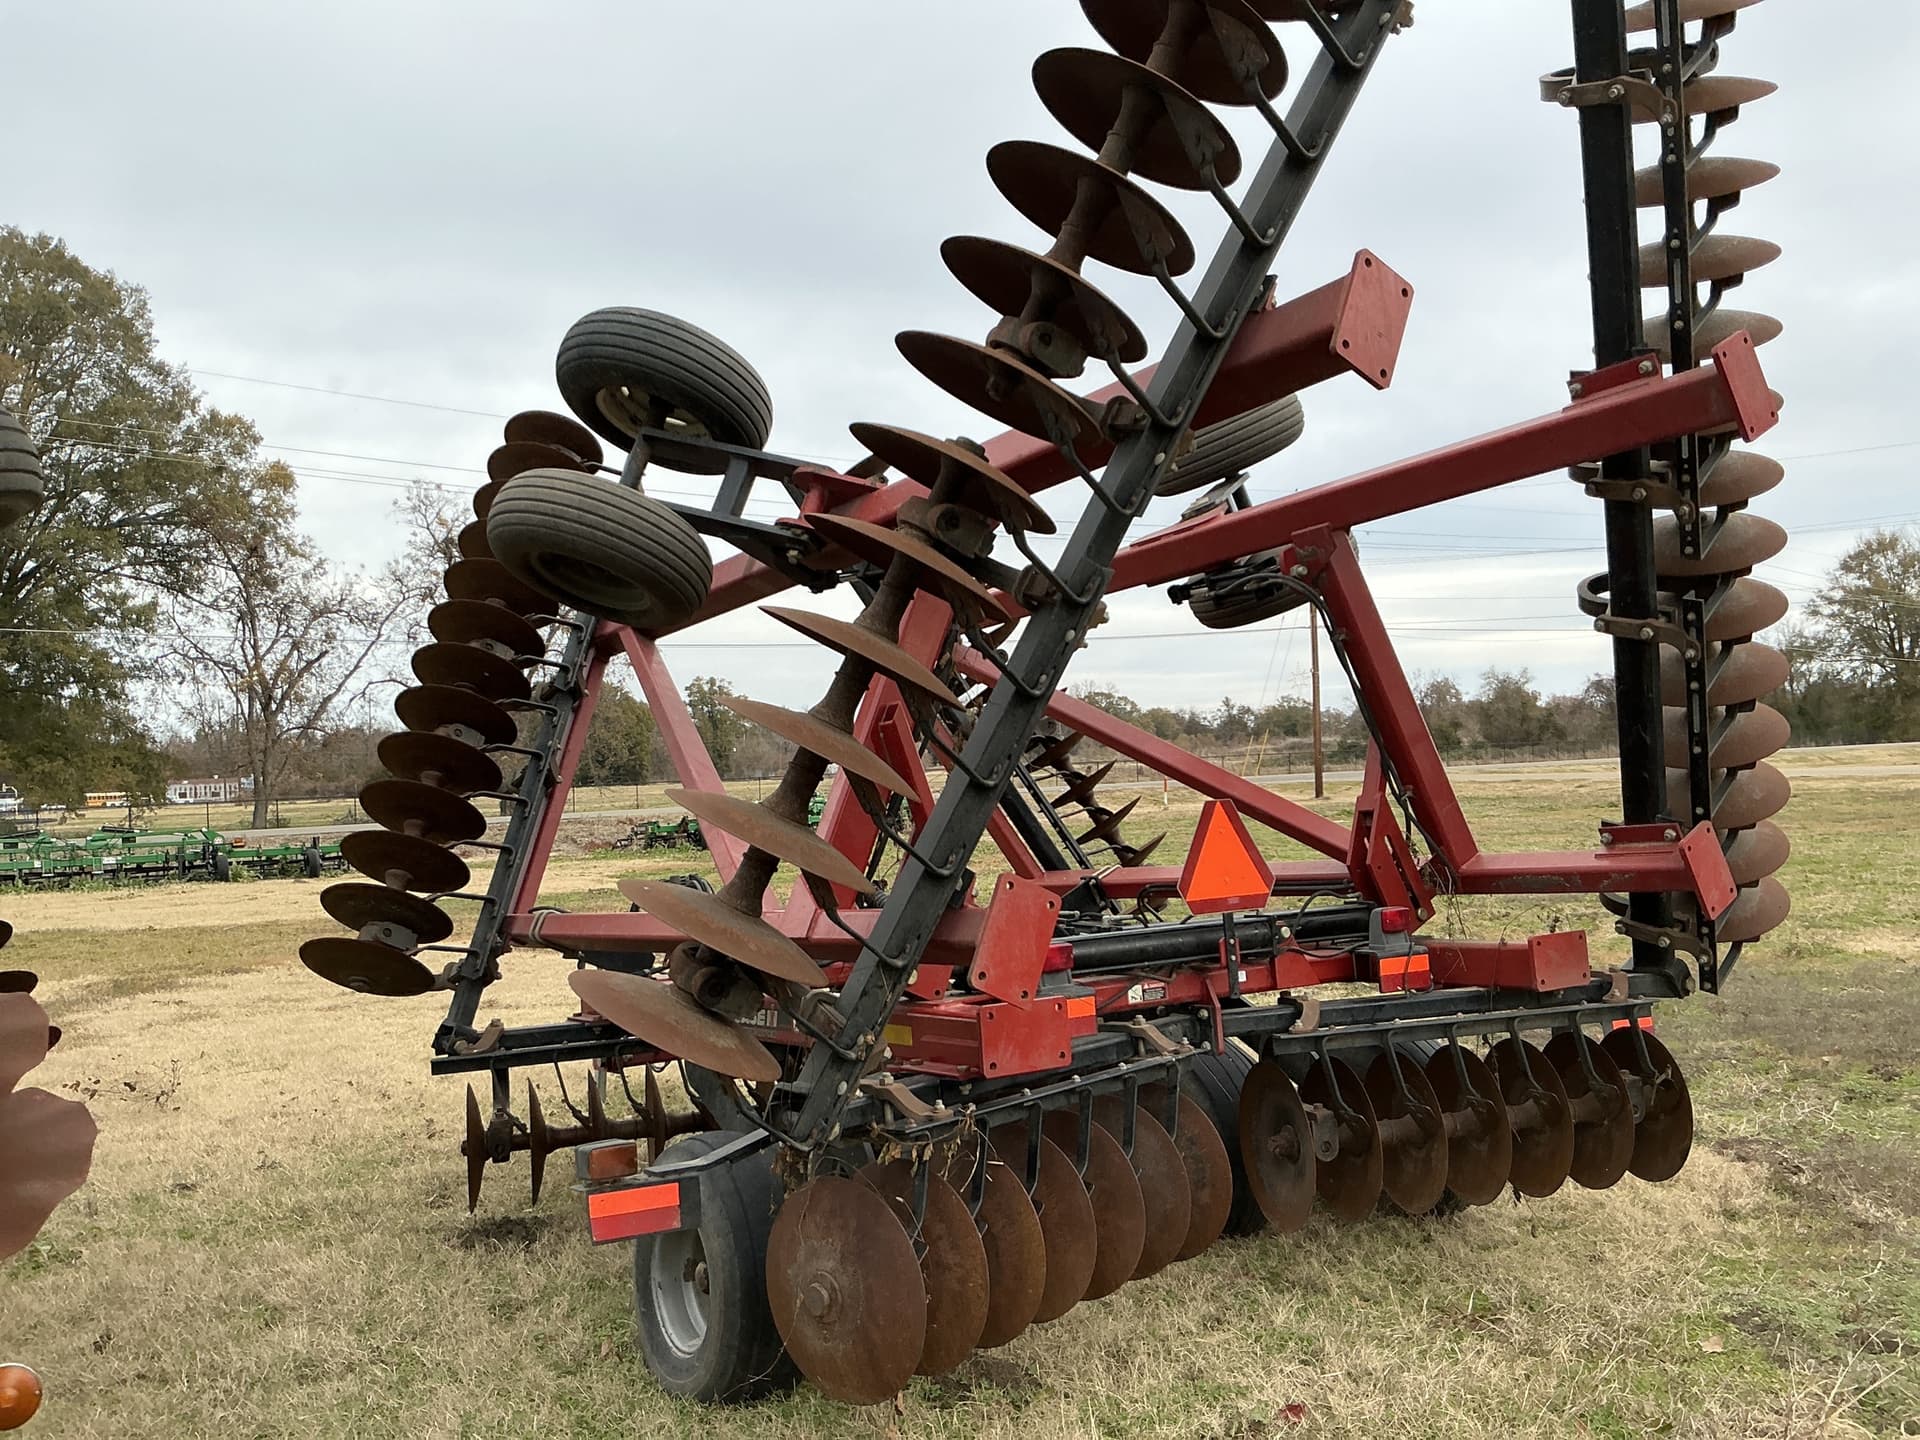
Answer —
933 1092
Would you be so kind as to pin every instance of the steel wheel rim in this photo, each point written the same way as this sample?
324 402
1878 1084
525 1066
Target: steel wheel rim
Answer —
679 1304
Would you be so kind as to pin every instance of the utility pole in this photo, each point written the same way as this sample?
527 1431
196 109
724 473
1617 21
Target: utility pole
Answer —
1319 753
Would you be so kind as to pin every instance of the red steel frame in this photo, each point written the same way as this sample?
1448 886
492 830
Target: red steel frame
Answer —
1352 324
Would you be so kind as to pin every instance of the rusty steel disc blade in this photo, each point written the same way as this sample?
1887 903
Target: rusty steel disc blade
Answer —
1748 607
1712 95
475 1150
1010 1233
1108 825
6 933
1754 912
1045 182
468 667
763 830
1711 177
1351 1181
881 545
539 1138
446 707
1603 1137
490 580
717 925
846 1291
858 642
1162 1175
1718 327
484 497
983 487
1132 855
17 982
1480 1135
1276 1147
1119 1209
1755 795
1088 90
1754 854
1640 17
1209 1170
563 432
1413 1133
1053 753
424 810
517 457
1740 475
23 1037
48 1142
1718 257
1082 785
404 861
817 737
1200 60
666 1018
472 541
439 760
1066 1219
1752 736
1744 541
1007 278
953 1262
1663 1138
1747 672
996 382
20 1392
470 622
357 904
1537 1111
366 967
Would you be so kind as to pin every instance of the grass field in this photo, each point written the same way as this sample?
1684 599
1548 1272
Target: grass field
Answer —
275 1242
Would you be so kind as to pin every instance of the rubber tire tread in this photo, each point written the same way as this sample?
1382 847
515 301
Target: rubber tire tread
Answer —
632 536
1231 614
1231 446
696 370
22 484
741 1357
1215 1081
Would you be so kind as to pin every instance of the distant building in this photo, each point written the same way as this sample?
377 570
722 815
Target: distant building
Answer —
208 792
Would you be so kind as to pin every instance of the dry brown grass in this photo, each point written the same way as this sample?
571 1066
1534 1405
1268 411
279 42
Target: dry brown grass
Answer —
275 1243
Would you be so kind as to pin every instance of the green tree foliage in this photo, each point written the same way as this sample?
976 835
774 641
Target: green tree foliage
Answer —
139 474
619 747
720 729
1509 712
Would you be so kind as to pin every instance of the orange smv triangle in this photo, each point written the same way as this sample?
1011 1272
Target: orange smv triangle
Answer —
1225 869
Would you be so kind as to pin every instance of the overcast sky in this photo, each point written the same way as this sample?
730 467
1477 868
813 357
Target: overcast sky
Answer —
414 201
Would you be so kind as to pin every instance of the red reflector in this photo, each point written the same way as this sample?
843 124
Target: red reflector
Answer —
1396 920
623 1214
1059 957
1646 1023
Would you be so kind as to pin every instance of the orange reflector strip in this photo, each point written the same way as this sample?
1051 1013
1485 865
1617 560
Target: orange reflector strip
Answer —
1645 1022
1225 869
643 1210
1080 1006
1406 972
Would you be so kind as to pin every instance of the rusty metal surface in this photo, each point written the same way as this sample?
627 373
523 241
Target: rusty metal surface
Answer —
1711 94
1107 826
1709 334
424 810
717 925
995 382
438 760
1015 1249
1711 177
1537 1110
1640 17
1413 1137
1740 475
1066 1219
1751 737
1663 1138
563 432
1350 1180
464 622
1209 1170
1755 795
1119 1210
468 667
1479 1133
1164 1193
490 580
404 861
439 707
983 487
764 830
831 743
1756 911
365 966
357 904
1194 55
1081 786
1745 541
953 1263
16 982
881 545
1602 1113
665 1018
857 641
516 457
1088 90
1045 182
1748 607
846 1290
472 541
1754 854
1749 672
1006 278
47 1141
1718 257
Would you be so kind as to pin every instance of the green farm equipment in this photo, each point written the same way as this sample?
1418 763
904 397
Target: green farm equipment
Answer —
121 852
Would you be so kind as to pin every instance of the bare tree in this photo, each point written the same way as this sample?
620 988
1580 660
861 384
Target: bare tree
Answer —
276 645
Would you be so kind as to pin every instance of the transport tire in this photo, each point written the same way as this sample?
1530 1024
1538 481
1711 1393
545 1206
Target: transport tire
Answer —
603 549
1247 601
622 370
700 1296
1238 444
22 486
1215 1081
222 867
310 863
